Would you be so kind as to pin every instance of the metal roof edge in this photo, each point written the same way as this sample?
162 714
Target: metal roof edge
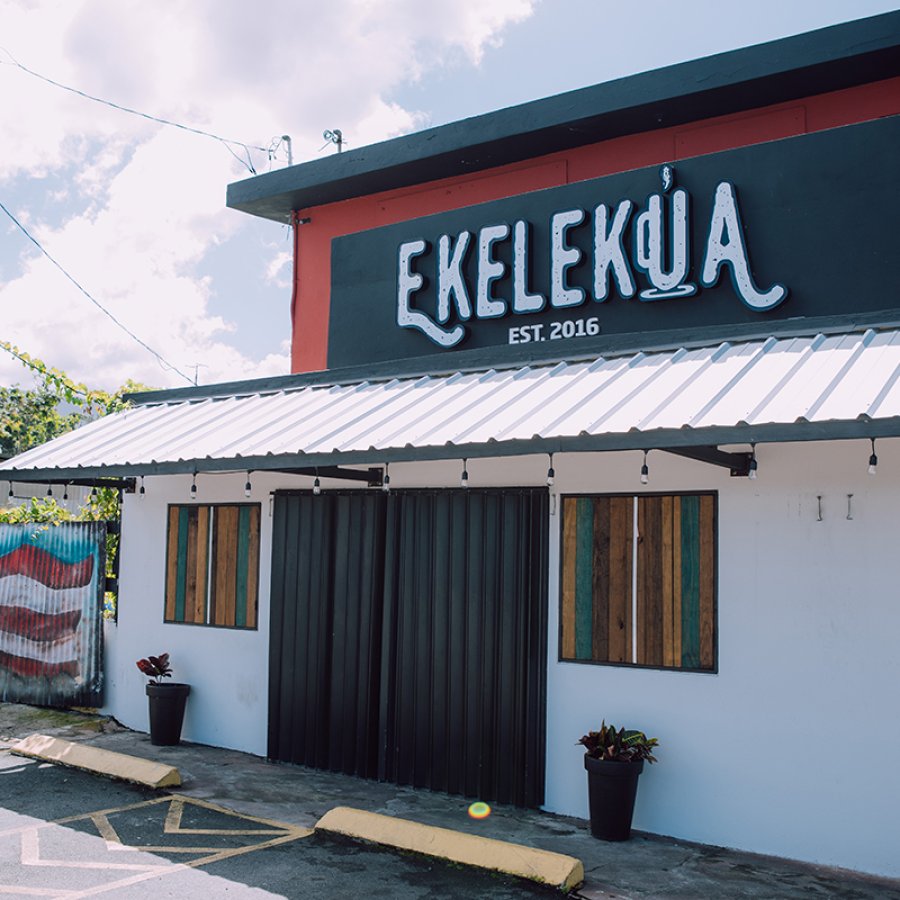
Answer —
658 439
513 357
827 59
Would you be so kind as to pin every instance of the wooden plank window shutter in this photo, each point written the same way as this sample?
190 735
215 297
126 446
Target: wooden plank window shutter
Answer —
212 565
638 579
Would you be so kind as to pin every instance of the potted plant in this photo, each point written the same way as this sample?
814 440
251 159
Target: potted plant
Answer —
614 759
167 700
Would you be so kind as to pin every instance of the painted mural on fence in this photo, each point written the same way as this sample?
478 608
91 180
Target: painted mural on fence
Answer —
52 580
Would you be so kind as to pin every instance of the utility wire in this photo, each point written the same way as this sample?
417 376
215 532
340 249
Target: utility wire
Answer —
226 142
96 303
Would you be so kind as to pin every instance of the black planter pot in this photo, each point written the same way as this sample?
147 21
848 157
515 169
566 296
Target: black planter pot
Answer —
612 787
167 703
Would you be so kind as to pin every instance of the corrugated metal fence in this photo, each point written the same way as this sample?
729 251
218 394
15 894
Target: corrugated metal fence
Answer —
52 579
408 638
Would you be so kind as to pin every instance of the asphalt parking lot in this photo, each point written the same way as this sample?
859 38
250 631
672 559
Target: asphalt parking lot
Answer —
69 834
239 826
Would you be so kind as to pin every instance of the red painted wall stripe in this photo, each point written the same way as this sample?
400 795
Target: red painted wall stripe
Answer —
38 626
312 248
45 568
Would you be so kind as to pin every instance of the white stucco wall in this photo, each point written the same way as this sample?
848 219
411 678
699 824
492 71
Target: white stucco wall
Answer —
227 668
787 750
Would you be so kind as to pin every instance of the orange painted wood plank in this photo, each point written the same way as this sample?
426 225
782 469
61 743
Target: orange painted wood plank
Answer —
226 555
567 610
621 528
172 564
649 593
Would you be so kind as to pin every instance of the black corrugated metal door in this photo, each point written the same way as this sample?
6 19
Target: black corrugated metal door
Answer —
408 638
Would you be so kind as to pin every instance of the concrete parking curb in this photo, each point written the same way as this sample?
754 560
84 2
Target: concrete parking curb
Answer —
543 866
93 759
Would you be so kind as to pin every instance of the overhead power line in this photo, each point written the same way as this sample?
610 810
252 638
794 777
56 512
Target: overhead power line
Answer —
96 303
226 142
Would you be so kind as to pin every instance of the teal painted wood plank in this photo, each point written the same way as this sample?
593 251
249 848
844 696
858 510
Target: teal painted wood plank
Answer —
184 513
584 578
690 581
243 554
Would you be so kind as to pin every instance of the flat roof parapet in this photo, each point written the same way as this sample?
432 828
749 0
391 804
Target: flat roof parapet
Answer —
829 59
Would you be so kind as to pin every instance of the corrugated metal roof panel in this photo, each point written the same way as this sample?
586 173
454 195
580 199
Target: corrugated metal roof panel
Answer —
846 378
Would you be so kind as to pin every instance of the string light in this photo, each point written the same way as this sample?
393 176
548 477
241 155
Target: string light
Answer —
248 488
645 470
93 493
753 465
66 493
551 474
49 490
317 486
194 487
386 482
464 478
142 492
11 493
873 459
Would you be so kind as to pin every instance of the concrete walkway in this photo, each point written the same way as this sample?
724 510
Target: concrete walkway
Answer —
645 867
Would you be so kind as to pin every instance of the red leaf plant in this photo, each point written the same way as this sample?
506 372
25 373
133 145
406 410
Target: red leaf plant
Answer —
156 667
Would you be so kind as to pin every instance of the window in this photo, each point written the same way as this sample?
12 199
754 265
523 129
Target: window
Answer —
638 580
212 565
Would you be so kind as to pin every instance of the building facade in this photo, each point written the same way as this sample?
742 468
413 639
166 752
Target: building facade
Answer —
594 415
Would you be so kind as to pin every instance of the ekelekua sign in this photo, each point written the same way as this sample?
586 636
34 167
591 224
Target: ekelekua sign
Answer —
803 227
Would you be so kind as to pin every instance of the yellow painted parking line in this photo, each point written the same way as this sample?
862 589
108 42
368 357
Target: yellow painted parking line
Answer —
35 892
112 810
134 872
31 856
176 810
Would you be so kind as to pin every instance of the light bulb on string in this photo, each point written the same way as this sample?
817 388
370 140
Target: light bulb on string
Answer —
645 470
248 488
464 477
752 465
386 481
194 487
66 493
873 460
551 473
317 486
49 490
142 492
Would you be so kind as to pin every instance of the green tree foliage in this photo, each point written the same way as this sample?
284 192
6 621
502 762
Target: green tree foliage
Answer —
57 404
31 417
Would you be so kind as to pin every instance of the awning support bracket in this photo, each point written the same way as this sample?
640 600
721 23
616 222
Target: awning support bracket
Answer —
738 464
373 476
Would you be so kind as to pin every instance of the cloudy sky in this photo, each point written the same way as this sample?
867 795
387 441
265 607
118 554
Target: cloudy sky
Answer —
135 211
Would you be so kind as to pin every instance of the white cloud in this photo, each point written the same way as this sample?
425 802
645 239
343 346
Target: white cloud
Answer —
132 208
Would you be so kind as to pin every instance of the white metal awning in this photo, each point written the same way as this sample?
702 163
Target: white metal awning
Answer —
778 389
